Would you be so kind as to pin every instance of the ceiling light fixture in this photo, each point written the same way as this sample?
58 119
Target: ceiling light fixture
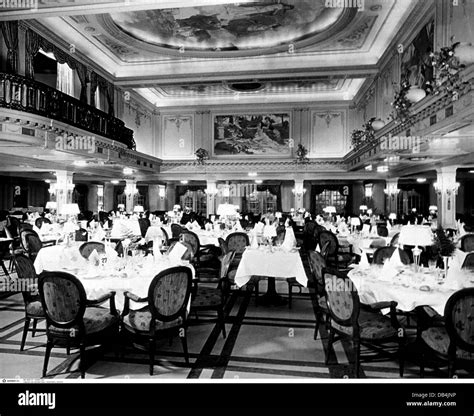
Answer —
184 182
368 167
252 174
382 168
81 163
115 181
258 181
421 180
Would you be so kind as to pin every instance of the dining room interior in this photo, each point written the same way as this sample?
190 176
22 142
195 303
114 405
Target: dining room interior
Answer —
251 190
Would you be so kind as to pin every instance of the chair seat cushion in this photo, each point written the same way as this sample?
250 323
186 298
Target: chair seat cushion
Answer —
206 297
35 309
373 326
437 339
139 321
96 319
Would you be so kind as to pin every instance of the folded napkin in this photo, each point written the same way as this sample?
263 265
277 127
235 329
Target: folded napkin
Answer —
253 241
238 226
289 243
189 226
195 225
389 271
259 226
208 226
317 249
389 226
177 252
37 230
395 259
99 234
157 242
366 229
94 258
364 261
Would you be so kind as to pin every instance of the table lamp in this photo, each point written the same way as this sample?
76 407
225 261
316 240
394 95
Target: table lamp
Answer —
417 236
51 205
70 209
121 207
138 209
355 222
392 217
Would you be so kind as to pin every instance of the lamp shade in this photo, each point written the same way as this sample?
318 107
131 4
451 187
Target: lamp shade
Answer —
330 210
138 208
416 235
363 207
433 208
70 209
51 205
121 207
355 221
415 94
378 124
392 216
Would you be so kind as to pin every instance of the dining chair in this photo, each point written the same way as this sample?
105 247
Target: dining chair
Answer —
317 265
33 309
385 253
223 245
367 326
87 248
5 255
165 236
81 235
144 224
469 261
188 254
191 238
31 243
72 320
467 243
41 220
176 230
394 240
214 298
382 231
166 313
237 242
448 339
334 256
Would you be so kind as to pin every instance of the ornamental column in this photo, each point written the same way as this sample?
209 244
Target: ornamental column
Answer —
446 188
299 191
211 192
64 188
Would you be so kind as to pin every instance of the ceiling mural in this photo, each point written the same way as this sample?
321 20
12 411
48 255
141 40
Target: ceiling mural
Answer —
232 27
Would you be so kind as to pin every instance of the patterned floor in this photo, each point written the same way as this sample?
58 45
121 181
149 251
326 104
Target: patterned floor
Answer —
263 342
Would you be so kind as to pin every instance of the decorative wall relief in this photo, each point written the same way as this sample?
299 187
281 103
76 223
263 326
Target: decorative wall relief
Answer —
178 136
328 134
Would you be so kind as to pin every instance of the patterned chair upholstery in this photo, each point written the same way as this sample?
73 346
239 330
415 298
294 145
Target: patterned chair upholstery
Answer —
450 337
334 256
317 265
237 242
348 321
33 309
176 230
31 243
72 319
166 312
193 240
382 231
385 253
81 235
469 262
209 298
166 237
467 243
86 249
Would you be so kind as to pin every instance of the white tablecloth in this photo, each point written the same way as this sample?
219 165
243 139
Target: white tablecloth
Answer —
133 274
278 264
408 288
362 244
125 227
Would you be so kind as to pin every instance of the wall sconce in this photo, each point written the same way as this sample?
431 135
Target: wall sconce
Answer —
161 191
225 191
211 189
298 190
391 190
52 188
450 188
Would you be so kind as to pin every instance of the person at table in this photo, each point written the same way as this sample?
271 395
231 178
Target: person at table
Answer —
186 217
269 215
4 233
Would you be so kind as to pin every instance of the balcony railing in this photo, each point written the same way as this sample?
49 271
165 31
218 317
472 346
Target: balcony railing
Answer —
23 94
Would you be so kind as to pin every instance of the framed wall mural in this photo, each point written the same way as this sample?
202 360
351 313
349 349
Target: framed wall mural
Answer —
259 134
416 63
